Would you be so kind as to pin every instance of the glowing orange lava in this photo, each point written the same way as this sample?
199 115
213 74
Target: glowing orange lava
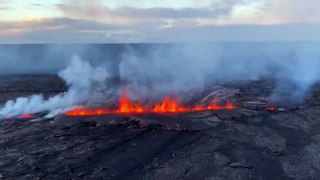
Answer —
272 109
168 105
126 106
87 112
25 116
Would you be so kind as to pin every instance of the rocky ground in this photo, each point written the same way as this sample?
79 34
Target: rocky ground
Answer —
246 143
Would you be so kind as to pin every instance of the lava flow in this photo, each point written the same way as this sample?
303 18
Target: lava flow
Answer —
168 105
26 116
23 116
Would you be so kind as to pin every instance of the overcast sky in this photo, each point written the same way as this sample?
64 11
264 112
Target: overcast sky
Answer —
131 21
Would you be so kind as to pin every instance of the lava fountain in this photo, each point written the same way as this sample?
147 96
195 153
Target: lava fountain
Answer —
167 105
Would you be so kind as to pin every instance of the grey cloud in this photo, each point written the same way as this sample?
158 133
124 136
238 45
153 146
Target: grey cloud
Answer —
80 31
293 10
93 22
65 30
88 11
169 13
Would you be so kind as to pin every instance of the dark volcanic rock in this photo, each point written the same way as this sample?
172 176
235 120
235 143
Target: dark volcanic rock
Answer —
237 144
12 87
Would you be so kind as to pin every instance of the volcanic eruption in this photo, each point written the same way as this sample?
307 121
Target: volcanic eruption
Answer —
167 105
162 115
164 79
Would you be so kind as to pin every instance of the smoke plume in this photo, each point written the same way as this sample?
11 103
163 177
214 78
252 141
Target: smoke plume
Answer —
152 71
182 68
82 79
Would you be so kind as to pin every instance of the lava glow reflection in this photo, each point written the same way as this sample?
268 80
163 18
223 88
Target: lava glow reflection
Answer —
168 105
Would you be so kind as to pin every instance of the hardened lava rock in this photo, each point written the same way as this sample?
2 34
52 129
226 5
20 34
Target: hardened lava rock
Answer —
244 143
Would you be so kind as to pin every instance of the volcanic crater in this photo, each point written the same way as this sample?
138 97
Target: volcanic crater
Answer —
252 139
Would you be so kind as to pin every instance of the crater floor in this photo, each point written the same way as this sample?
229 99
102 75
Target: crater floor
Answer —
245 143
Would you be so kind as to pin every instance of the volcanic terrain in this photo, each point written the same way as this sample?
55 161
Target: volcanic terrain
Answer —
257 139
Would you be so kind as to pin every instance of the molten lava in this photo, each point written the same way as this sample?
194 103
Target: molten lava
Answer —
26 116
125 105
168 105
23 116
87 112
271 109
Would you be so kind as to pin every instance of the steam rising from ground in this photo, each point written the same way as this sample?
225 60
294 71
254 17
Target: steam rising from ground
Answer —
191 67
82 79
154 71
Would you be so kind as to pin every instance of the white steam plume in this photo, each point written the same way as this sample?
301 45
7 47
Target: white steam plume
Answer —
82 79
152 71
181 68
